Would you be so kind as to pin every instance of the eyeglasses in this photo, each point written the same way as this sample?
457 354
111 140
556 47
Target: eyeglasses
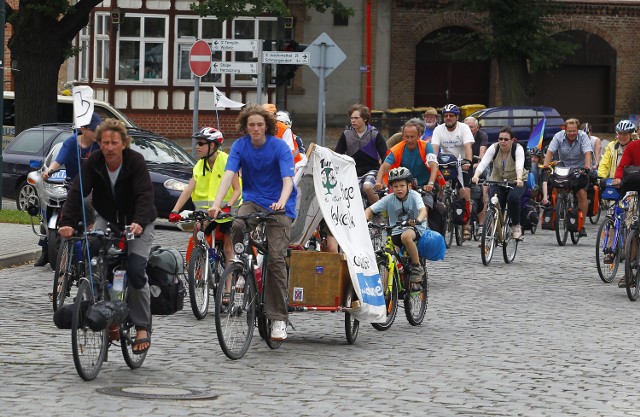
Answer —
503 139
201 143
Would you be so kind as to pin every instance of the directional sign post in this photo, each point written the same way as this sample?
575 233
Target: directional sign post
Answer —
324 56
230 67
291 58
199 63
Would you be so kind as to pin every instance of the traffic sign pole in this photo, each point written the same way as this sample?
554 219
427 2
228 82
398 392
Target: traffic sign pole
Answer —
321 99
200 64
196 102
260 75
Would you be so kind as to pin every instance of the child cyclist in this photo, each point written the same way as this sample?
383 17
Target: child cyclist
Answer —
404 205
203 186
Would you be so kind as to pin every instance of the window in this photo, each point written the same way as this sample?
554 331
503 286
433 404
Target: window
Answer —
497 118
101 59
83 56
340 20
188 30
251 28
525 117
142 49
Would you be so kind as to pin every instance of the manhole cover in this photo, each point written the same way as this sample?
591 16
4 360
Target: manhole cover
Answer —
158 393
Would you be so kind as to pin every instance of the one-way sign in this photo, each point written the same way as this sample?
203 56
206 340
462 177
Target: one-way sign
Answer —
278 57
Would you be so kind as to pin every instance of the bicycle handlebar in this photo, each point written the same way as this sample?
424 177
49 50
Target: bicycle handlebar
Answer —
503 183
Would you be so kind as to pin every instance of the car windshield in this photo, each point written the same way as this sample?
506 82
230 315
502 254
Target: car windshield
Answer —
30 141
160 151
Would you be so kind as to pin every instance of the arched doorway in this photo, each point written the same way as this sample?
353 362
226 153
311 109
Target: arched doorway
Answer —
584 84
443 77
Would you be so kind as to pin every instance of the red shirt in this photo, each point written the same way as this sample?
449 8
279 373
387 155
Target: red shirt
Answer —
630 157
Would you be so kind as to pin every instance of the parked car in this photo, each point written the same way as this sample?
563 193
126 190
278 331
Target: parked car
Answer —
521 119
169 165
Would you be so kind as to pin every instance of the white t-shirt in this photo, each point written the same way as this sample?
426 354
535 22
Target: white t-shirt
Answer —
452 142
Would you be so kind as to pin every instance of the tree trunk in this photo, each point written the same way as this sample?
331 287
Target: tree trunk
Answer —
516 84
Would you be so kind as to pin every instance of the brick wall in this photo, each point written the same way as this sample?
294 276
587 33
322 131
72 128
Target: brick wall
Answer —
179 125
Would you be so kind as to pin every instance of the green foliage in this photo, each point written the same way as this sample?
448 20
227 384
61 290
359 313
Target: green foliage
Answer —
14 216
49 8
230 9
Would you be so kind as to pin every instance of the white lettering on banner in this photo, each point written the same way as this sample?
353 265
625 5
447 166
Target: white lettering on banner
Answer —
374 292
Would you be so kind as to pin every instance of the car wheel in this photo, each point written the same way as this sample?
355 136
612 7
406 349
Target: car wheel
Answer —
26 194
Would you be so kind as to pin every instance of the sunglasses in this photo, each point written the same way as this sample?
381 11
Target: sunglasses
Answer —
201 143
503 139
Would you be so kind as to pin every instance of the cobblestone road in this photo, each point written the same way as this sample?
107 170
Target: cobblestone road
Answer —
541 337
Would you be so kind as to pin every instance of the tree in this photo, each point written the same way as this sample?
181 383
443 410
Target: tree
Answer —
43 33
520 40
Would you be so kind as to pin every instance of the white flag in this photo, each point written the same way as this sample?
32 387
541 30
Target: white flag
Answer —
220 101
82 105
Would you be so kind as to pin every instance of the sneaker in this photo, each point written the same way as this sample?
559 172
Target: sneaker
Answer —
516 231
417 272
43 259
608 258
583 233
278 330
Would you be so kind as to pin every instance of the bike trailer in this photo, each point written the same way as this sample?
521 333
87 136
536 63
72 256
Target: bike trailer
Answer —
318 279
164 269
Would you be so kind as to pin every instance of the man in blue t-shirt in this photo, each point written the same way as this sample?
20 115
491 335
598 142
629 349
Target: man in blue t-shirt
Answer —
267 170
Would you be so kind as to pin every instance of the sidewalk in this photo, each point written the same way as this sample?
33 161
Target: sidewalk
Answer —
18 245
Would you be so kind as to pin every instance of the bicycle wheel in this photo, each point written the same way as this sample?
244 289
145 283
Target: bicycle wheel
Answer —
390 296
235 318
64 275
488 240
127 337
510 245
561 222
449 228
89 347
606 271
632 265
351 324
458 233
416 298
199 274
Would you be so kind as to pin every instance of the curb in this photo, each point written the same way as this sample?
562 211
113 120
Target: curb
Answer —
19 258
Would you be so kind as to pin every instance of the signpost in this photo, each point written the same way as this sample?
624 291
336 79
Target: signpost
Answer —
248 45
290 58
199 63
324 56
231 67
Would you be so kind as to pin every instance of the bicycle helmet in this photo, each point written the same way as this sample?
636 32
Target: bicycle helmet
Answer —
625 126
283 116
451 108
400 173
210 134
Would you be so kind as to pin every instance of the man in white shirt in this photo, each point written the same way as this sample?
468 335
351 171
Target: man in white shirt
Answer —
456 138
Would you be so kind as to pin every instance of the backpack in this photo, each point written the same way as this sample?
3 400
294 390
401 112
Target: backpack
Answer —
164 268
527 155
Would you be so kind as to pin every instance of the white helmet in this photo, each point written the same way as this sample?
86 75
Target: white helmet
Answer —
283 116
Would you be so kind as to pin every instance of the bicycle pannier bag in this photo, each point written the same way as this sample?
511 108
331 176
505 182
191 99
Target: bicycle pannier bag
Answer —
631 178
573 224
461 212
593 194
105 313
64 314
561 177
448 165
164 268
437 216
528 217
431 245
549 218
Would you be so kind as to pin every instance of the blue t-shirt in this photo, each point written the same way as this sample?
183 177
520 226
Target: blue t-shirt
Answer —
427 133
68 155
400 211
414 163
263 169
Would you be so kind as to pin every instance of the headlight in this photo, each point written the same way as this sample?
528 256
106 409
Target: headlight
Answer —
175 185
238 248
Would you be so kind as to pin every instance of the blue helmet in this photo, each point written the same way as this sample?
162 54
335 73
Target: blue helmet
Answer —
451 108
625 126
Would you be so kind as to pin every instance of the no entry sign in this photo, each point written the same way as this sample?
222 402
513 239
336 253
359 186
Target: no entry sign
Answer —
200 58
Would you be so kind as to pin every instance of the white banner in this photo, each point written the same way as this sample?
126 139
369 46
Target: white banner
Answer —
338 197
220 101
82 105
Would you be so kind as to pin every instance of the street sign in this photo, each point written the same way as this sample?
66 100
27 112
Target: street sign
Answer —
234 67
200 58
280 57
234 45
333 55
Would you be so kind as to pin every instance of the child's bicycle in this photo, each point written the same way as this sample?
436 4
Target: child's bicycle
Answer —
394 269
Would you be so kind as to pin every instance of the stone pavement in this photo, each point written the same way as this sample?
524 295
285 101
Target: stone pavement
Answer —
541 337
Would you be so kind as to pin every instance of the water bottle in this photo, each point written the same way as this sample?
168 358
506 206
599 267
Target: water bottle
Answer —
119 282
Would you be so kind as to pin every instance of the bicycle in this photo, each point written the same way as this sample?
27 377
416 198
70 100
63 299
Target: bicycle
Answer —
632 250
206 261
566 203
396 282
90 347
611 238
497 229
449 167
70 266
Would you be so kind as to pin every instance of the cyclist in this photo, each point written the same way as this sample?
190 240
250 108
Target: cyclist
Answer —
431 121
366 145
284 117
456 138
267 174
404 205
574 151
417 156
204 183
506 167
122 195
596 144
284 132
479 147
68 156
607 169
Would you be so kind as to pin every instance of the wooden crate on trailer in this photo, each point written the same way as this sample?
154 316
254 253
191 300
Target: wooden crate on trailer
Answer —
317 278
